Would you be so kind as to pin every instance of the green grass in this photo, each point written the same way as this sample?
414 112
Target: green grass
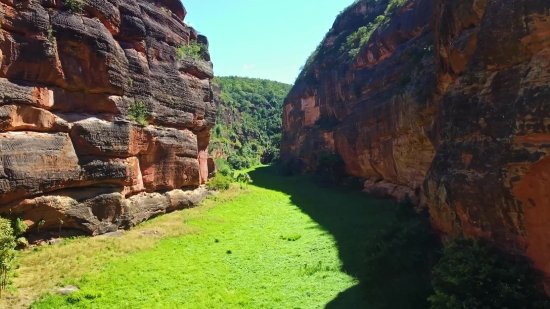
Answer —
285 243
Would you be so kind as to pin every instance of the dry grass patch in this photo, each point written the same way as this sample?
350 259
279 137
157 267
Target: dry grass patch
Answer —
43 268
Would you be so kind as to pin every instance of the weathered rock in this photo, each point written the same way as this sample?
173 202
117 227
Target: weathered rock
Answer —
172 160
489 178
21 117
180 199
375 111
68 82
467 128
68 290
98 211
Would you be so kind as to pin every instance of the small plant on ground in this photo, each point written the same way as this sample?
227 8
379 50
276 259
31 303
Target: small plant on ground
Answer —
193 49
291 237
243 179
74 6
19 226
309 270
474 274
7 253
138 113
219 182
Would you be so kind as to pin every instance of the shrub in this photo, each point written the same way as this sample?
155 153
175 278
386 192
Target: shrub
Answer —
291 237
474 274
220 182
7 252
19 226
75 6
193 49
138 113
400 260
244 178
238 162
394 6
224 168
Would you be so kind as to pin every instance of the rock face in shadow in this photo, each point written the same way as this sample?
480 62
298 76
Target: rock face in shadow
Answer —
70 78
447 101
489 178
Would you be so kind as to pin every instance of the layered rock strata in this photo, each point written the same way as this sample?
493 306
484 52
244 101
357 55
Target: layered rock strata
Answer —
72 73
465 129
490 177
374 110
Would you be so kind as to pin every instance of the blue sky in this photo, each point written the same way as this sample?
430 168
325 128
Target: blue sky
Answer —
262 38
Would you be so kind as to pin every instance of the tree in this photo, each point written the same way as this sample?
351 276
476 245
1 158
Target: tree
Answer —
7 252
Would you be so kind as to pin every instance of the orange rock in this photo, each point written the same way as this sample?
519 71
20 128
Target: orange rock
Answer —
17 118
69 83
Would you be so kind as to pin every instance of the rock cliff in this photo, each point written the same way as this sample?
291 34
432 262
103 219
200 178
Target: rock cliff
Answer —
72 75
445 100
376 109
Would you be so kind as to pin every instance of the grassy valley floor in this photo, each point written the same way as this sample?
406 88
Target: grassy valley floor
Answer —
283 242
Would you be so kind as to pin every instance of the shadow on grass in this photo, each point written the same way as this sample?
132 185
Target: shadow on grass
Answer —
353 219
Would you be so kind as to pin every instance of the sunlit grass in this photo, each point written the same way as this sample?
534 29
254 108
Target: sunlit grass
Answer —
238 260
43 268
278 243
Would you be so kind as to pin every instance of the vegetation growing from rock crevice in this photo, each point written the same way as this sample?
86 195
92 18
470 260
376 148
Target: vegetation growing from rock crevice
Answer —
248 129
194 50
138 113
351 32
74 6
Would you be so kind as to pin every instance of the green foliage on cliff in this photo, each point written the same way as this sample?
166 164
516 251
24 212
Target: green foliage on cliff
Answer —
248 129
474 274
193 50
74 6
351 31
138 113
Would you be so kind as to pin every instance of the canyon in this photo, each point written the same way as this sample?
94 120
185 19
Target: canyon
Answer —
447 103
71 75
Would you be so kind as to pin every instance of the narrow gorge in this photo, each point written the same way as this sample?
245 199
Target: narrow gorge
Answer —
104 122
406 165
446 102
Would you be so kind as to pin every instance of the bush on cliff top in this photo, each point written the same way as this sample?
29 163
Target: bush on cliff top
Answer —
474 274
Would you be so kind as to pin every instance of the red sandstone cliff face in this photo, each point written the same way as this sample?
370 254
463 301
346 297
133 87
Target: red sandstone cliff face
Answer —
469 134
375 110
69 155
490 177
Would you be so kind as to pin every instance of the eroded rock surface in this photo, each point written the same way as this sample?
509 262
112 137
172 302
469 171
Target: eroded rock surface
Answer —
463 125
489 178
70 156
374 110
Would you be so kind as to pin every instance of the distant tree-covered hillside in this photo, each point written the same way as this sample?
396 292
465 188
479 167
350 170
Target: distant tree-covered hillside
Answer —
248 129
